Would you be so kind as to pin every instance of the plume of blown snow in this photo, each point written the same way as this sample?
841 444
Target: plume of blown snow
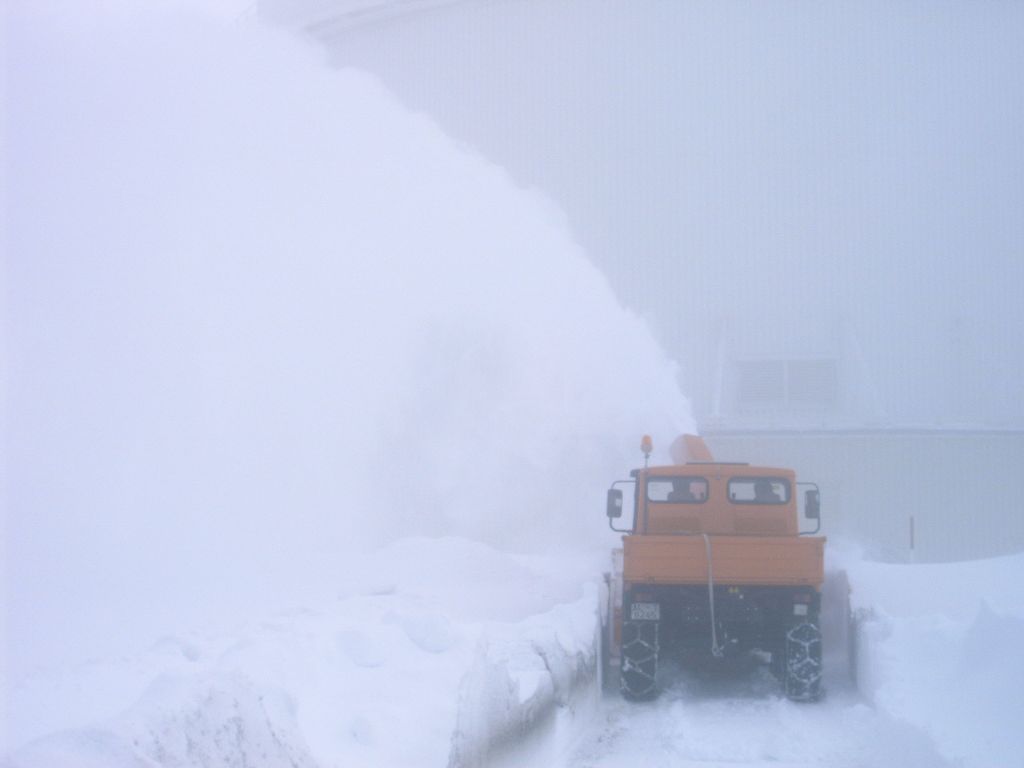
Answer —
260 315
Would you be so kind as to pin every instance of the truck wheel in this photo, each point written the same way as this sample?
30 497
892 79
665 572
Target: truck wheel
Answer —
803 662
639 659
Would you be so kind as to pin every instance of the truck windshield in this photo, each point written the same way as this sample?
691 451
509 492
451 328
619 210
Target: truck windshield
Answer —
677 490
759 490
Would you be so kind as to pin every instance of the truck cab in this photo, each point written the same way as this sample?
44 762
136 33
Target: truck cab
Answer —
715 498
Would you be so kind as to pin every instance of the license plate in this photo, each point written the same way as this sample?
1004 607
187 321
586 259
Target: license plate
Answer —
645 612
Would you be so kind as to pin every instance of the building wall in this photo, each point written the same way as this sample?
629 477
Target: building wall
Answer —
963 489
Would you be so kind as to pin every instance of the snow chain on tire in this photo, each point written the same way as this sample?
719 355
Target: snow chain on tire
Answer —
803 662
639 659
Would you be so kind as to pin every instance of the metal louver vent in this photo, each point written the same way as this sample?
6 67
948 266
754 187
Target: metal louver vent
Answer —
787 384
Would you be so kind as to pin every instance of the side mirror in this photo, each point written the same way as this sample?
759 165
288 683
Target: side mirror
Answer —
812 505
614 503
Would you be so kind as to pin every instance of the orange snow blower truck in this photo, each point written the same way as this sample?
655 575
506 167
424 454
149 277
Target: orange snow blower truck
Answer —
713 565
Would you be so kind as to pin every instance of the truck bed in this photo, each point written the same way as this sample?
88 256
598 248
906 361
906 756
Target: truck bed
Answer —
739 560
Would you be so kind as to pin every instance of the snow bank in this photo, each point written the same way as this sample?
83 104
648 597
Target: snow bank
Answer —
383 676
520 674
261 318
217 720
939 647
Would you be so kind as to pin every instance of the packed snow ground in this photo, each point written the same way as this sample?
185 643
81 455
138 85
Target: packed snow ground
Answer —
728 723
938 684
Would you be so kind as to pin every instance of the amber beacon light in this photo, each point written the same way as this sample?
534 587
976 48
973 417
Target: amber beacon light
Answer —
646 446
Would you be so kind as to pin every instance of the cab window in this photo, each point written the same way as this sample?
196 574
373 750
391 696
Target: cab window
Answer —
677 490
759 490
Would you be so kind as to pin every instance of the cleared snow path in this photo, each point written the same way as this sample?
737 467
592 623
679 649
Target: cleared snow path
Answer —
743 721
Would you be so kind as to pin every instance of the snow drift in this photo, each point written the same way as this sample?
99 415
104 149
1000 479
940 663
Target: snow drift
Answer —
418 668
939 647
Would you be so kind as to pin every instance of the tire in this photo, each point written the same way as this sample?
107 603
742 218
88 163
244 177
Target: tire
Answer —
638 674
802 654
